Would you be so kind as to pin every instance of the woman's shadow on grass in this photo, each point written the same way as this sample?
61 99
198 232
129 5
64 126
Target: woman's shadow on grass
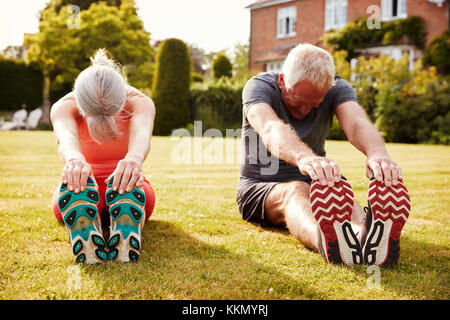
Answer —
175 265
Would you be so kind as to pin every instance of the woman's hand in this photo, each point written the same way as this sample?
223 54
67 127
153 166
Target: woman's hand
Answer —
76 173
128 174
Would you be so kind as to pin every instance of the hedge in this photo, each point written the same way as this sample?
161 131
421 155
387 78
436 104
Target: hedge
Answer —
217 105
20 84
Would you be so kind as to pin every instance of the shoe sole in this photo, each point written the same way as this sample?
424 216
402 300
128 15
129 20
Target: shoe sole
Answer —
127 216
332 208
390 209
80 216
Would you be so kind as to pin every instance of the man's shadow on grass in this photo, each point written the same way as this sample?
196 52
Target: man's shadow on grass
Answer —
418 262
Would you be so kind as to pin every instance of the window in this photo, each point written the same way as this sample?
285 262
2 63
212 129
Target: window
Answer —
393 9
287 17
335 14
274 66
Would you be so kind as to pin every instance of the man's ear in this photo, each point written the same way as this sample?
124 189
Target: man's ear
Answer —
281 84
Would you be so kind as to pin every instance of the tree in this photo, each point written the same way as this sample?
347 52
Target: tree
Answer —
240 62
199 59
63 51
171 85
222 67
12 52
57 5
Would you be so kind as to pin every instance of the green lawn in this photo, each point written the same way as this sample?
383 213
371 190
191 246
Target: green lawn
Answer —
195 244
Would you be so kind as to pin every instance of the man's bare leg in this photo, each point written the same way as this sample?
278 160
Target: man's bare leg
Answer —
288 203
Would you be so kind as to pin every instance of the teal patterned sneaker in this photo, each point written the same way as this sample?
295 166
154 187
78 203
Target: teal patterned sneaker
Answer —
81 218
127 216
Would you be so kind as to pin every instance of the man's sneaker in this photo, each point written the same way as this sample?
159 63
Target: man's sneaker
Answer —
332 208
127 216
388 211
80 216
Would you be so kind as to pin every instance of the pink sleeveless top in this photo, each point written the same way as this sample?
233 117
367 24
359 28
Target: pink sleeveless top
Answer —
104 157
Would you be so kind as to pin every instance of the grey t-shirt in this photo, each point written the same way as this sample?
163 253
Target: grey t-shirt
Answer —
258 163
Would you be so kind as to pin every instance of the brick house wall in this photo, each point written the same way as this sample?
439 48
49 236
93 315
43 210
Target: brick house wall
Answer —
310 25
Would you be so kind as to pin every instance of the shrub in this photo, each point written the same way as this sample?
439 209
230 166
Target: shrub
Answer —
411 107
419 112
355 35
222 67
438 52
20 84
171 85
336 132
196 77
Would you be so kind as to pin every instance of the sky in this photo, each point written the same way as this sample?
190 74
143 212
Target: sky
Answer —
212 25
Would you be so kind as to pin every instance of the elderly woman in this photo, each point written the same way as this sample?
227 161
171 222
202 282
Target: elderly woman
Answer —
103 129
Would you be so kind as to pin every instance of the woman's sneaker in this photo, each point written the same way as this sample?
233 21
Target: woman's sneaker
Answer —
332 209
127 217
80 216
388 211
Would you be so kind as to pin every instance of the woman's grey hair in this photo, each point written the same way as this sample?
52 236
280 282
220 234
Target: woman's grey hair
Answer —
100 93
311 63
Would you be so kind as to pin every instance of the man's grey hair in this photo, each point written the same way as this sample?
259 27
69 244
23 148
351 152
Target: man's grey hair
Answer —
311 63
100 93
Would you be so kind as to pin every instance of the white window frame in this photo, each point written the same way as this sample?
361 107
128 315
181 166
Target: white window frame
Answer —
387 8
274 66
286 22
394 51
335 14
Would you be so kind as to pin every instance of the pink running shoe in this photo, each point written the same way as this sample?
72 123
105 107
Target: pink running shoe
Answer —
389 209
332 209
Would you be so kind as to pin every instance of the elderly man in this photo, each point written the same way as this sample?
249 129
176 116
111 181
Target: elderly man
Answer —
286 180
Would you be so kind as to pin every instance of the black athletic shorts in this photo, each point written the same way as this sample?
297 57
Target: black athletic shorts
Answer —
251 197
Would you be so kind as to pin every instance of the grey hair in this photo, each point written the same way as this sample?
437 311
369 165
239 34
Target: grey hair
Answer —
311 63
100 93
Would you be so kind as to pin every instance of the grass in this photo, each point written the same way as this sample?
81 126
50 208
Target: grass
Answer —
195 244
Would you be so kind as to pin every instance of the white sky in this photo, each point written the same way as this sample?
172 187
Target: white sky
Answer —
212 25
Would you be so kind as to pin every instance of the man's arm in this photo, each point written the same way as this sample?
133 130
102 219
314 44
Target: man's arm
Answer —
282 141
129 171
363 135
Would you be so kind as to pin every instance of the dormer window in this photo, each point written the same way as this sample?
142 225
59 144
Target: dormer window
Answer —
286 22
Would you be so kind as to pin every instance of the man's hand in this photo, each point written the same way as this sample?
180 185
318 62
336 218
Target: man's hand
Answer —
128 174
75 174
383 169
320 168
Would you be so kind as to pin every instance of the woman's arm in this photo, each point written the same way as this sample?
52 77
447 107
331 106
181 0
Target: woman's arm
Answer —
76 169
129 172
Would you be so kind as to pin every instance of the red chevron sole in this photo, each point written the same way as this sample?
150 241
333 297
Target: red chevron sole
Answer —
332 208
390 208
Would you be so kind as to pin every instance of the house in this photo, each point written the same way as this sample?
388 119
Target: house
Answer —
279 25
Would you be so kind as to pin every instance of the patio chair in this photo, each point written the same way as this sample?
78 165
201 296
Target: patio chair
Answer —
18 121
